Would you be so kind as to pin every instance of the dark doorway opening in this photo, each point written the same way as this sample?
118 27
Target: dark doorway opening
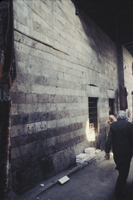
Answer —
111 106
93 113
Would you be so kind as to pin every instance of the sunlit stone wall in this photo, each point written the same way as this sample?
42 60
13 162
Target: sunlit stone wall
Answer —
128 81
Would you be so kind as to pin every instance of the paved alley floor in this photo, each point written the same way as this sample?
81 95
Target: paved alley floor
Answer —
96 181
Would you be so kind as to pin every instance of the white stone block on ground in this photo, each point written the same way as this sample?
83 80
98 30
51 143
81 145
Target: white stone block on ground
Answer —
90 151
80 158
63 180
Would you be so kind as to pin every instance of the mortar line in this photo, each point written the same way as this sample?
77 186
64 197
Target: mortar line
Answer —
40 41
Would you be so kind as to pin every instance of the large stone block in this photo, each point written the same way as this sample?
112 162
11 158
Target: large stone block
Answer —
27 177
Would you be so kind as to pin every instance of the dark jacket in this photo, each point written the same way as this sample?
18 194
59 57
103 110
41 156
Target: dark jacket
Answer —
121 139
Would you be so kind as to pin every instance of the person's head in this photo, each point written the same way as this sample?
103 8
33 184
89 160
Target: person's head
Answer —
112 118
122 115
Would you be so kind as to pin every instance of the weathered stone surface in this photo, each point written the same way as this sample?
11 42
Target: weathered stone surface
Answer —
60 61
27 177
42 135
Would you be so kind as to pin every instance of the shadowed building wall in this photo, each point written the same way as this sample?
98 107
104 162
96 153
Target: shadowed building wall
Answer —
60 64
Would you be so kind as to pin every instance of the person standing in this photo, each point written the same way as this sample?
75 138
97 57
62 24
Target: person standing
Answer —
110 121
120 138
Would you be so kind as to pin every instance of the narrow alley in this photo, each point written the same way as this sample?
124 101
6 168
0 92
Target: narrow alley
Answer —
96 181
66 70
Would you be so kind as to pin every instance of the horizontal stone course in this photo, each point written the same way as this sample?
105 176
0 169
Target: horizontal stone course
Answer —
49 133
27 108
44 116
42 80
38 150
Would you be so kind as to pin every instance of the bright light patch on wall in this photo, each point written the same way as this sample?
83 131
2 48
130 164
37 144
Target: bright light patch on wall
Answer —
90 131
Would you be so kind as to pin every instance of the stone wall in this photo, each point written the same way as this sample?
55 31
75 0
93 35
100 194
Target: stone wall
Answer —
60 62
128 77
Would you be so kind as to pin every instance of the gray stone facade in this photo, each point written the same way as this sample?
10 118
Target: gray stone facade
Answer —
61 61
